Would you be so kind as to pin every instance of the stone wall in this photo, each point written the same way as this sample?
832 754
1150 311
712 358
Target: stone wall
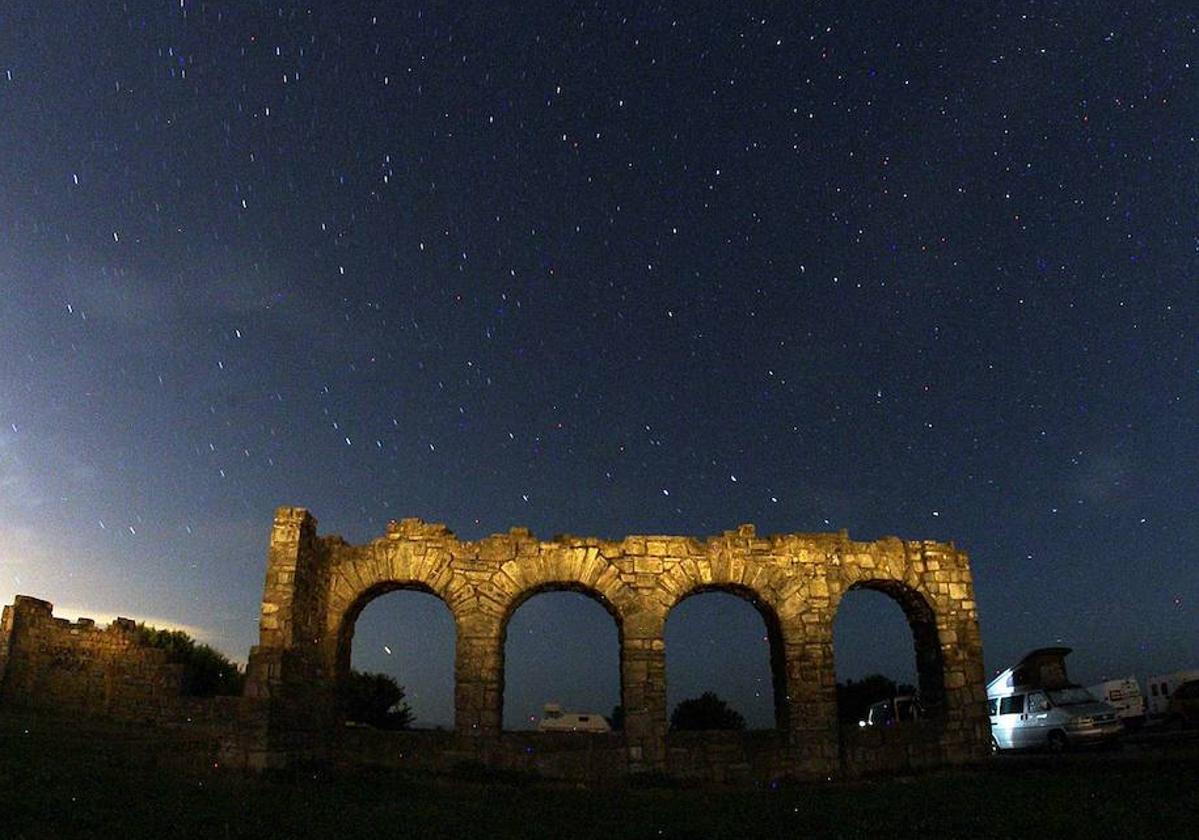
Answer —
316 586
79 668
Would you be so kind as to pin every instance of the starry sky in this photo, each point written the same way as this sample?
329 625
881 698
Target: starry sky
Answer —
916 269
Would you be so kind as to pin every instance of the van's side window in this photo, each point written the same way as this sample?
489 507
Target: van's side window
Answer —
1037 702
1012 705
991 707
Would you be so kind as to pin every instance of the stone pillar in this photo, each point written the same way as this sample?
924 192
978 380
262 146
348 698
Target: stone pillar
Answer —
18 673
643 690
967 731
292 535
479 677
286 669
813 737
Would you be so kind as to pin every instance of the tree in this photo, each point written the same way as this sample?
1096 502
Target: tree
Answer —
705 712
376 700
616 719
206 671
855 698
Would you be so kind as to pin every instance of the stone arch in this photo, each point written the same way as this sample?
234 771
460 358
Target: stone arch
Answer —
774 634
361 577
921 616
761 580
559 586
523 596
315 587
347 619
576 569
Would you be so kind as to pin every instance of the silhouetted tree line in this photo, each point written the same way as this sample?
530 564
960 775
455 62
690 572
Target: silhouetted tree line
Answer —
206 671
705 712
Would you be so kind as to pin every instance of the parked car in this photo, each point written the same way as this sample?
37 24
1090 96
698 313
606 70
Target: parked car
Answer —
1034 704
1184 704
902 708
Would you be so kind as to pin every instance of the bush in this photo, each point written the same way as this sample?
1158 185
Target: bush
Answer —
206 671
705 712
376 700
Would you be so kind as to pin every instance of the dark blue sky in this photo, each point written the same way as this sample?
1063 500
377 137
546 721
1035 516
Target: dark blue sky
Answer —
920 270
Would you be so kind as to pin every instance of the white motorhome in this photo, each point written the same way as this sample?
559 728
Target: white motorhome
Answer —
1034 704
1123 695
1157 700
555 720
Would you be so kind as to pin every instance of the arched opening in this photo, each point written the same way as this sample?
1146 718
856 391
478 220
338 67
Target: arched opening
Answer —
726 641
561 647
877 626
406 633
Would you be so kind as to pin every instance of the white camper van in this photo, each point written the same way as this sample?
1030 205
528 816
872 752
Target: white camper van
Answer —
1034 704
1161 687
1123 695
555 720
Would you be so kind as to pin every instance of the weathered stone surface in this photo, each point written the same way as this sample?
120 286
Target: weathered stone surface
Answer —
53 664
795 580
315 587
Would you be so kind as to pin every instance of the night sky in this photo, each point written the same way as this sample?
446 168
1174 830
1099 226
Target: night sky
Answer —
928 270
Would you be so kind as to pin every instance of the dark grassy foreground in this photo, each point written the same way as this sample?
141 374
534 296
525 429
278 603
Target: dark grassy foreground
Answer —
61 781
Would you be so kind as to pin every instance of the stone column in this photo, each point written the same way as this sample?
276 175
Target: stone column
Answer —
479 677
643 690
293 531
813 736
967 731
285 671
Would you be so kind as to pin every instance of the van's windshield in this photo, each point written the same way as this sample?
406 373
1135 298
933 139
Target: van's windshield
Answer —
1070 696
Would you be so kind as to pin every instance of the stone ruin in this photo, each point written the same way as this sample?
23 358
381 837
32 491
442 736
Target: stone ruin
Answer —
316 587
77 667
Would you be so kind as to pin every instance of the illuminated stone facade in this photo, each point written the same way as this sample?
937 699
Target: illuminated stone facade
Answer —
316 586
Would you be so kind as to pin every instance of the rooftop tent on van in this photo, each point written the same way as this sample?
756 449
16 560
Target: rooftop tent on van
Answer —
1043 668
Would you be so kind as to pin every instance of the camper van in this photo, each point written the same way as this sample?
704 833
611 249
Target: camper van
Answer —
1157 700
553 719
1123 695
1034 704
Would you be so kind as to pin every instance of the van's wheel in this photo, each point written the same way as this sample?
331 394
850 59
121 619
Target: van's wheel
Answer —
1057 741
994 746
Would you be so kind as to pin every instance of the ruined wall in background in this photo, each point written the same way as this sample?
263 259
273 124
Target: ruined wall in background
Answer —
78 668
78 671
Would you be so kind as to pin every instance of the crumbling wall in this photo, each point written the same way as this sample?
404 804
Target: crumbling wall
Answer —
52 664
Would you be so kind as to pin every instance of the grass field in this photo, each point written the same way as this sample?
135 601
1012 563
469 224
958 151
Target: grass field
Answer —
58 780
